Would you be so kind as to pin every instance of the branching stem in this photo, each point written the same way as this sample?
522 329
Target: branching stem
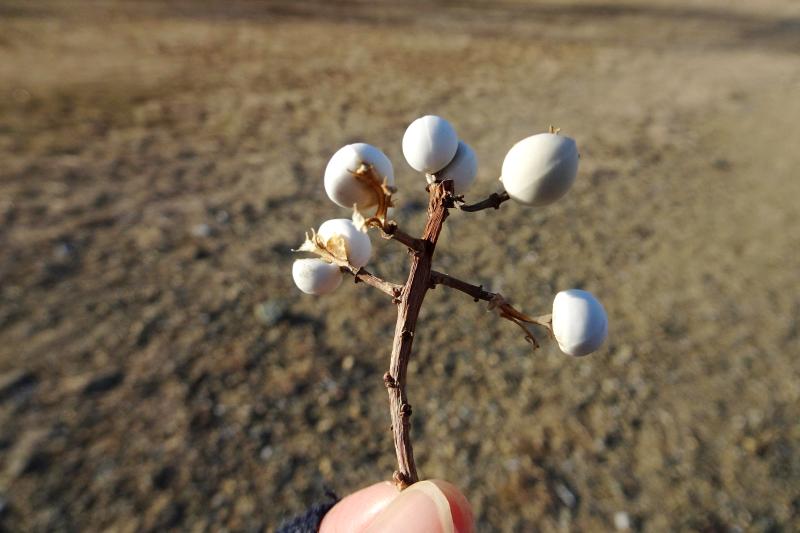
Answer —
360 274
497 303
421 278
392 231
493 201
475 291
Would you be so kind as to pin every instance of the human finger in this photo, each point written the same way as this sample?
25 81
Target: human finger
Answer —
354 512
431 506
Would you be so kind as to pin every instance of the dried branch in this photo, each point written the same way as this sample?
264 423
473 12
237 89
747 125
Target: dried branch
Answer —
493 201
475 291
497 303
360 274
392 231
411 297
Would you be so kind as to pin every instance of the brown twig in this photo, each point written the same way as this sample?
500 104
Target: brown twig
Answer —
475 291
360 274
411 297
496 302
392 231
493 201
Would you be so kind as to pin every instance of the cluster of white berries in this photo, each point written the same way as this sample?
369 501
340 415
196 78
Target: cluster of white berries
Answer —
315 276
430 145
537 171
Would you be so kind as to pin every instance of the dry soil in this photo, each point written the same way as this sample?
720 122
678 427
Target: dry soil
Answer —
158 161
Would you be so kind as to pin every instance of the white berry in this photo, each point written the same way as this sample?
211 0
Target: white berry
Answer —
580 324
540 169
315 276
462 169
429 144
340 183
359 247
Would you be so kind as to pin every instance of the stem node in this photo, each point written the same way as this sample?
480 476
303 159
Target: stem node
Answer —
400 480
389 381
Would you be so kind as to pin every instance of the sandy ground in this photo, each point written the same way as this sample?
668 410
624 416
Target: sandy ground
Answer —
158 368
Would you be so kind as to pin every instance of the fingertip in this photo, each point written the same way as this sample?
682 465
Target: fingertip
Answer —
354 512
432 506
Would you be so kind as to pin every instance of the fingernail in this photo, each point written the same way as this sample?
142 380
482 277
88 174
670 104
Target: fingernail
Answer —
422 508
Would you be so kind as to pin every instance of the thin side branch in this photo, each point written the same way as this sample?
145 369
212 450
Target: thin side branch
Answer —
496 303
392 231
360 274
475 291
493 201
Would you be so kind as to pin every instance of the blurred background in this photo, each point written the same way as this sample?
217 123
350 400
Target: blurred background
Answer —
158 160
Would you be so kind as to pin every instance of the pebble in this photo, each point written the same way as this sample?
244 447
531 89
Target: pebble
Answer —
622 521
266 452
565 495
201 230
270 312
348 362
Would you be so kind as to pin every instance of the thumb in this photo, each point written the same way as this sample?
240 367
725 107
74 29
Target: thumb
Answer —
432 506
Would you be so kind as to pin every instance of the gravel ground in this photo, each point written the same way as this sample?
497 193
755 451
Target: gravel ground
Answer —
158 368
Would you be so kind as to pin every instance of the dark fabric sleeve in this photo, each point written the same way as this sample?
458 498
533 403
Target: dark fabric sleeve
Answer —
309 521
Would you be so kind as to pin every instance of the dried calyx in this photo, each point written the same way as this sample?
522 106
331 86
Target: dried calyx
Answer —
338 241
342 234
505 310
346 181
381 192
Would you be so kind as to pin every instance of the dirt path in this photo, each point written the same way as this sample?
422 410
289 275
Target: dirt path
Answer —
158 160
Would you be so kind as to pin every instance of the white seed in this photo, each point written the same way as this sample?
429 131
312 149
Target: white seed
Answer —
359 247
462 169
429 144
540 169
340 184
580 324
315 276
